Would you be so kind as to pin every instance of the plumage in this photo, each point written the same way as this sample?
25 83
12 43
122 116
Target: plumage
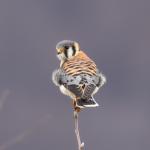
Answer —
78 76
80 64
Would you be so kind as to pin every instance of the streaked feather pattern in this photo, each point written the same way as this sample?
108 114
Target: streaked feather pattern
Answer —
80 64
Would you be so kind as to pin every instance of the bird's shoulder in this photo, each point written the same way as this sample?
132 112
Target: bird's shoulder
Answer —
80 61
82 56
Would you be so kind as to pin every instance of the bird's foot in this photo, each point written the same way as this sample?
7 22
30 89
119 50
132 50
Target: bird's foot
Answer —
77 109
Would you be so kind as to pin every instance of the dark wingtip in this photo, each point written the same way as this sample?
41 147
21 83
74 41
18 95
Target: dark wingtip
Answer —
82 103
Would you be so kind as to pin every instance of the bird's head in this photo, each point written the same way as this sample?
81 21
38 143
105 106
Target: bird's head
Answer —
67 49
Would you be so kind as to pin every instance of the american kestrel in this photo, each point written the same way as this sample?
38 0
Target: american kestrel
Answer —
78 76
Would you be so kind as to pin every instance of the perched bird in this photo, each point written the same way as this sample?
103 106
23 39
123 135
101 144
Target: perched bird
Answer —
78 76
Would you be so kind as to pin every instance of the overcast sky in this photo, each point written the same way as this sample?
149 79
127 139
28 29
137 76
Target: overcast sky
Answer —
34 115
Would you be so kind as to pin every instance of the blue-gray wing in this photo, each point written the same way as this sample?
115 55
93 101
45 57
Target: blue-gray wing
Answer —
56 77
81 86
59 78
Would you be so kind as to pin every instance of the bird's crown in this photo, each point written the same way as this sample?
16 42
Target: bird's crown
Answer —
64 43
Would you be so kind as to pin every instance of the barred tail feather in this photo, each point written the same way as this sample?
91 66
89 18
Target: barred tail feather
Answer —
82 103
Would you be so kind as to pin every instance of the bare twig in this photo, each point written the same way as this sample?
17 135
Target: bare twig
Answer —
80 144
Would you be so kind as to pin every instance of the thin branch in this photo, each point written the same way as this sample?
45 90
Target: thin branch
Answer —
80 144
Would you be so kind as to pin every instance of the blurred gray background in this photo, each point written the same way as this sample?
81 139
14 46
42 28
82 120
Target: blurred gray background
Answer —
34 115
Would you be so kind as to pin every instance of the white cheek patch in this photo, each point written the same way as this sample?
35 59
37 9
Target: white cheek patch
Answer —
61 56
70 52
